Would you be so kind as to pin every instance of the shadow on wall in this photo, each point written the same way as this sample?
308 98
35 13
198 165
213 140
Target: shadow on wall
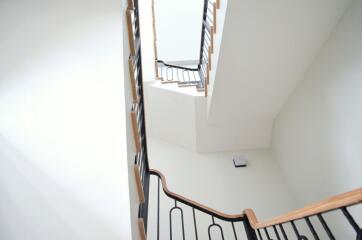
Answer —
33 206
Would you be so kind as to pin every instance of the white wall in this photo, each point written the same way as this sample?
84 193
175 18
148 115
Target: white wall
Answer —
220 20
178 25
265 49
63 173
230 134
179 115
212 180
318 134
170 115
147 37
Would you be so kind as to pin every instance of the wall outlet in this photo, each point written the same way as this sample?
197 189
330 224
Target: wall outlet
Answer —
240 161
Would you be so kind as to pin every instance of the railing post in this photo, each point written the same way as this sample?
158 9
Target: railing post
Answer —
250 232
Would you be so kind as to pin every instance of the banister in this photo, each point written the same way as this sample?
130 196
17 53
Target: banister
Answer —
130 30
194 204
252 225
327 205
208 29
330 204
176 66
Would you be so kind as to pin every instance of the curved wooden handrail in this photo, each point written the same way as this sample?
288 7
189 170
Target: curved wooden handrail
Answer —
203 208
336 202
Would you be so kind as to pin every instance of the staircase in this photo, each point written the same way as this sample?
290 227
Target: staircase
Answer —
195 220
191 76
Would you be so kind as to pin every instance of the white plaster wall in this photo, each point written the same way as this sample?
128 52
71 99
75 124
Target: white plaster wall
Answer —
318 135
179 115
178 25
220 20
170 115
230 134
265 49
147 37
212 180
63 168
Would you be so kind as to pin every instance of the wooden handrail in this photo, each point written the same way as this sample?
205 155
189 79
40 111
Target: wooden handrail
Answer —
214 16
130 32
142 229
192 203
333 203
130 4
133 81
137 174
136 136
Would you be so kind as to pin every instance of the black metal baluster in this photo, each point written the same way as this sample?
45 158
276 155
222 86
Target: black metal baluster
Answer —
193 72
188 73
182 220
216 225
161 69
350 219
283 232
295 229
195 226
250 232
325 226
276 232
170 213
158 208
267 233
311 228
260 236
183 75
203 31
232 224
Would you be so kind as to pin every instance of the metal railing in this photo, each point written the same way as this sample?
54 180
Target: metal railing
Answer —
198 76
279 232
313 217
182 75
318 221
141 165
218 224
311 222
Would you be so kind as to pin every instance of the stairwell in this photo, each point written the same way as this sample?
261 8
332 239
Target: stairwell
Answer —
183 218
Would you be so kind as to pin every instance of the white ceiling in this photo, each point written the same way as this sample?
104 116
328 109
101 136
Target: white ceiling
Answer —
266 48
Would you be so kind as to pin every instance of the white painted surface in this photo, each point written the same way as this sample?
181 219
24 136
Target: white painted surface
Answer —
63 173
220 21
265 50
212 180
231 134
178 29
170 115
147 38
178 115
318 134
